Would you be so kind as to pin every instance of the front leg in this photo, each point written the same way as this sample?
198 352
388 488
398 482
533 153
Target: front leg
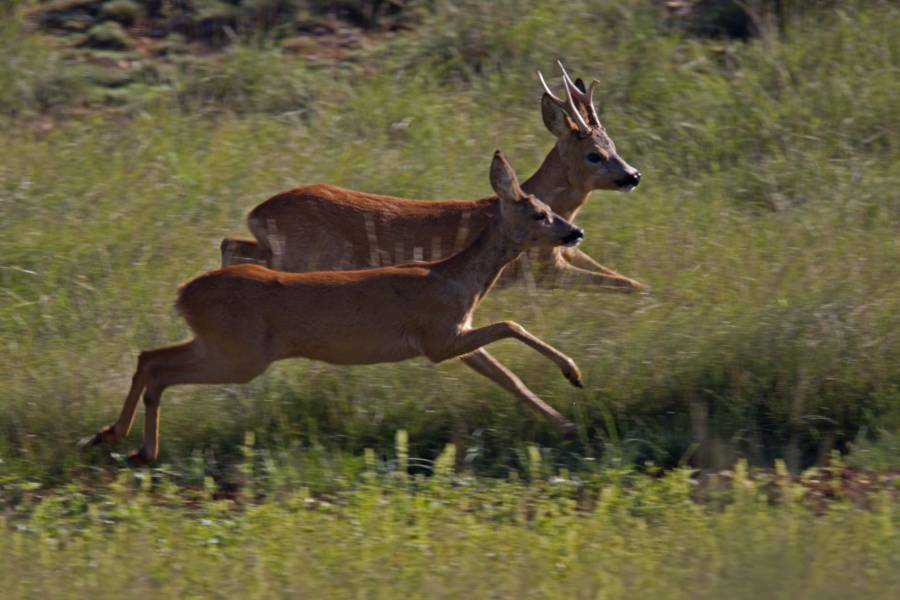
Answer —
469 340
604 276
566 275
484 364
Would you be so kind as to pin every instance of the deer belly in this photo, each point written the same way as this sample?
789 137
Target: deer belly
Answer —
356 345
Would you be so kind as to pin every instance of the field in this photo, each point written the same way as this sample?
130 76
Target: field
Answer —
609 535
765 223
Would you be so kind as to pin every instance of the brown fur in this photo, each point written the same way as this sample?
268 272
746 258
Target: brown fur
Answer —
244 317
324 227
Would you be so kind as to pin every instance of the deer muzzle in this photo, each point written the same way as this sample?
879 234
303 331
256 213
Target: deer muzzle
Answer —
630 181
574 237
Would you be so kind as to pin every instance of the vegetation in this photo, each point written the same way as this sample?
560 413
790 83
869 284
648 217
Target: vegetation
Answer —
766 225
125 12
609 534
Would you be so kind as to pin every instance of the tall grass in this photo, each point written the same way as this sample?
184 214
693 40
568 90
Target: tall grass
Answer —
766 225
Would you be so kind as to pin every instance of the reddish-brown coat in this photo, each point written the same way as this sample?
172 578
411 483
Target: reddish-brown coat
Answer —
324 227
244 317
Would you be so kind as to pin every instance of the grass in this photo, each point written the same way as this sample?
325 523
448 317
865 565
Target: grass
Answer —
607 534
766 224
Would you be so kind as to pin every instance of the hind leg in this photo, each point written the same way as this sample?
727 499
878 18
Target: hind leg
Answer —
119 429
208 368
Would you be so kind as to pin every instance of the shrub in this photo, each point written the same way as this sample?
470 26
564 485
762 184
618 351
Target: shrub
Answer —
246 80
125 12
109 36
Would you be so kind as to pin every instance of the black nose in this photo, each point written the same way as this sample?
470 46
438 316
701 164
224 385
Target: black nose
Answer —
573 236
631 179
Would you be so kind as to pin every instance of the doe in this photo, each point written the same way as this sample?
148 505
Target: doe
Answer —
245 317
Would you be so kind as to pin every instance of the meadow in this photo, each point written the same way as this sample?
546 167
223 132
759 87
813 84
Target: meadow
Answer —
765 223
611 534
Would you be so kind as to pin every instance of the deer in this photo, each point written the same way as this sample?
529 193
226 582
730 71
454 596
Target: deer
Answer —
325 227
245 317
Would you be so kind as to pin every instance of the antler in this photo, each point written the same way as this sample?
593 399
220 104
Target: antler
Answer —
585 98
569 103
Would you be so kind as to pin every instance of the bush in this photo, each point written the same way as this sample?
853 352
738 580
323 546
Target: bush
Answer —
245 80
108 36
32 77
125 12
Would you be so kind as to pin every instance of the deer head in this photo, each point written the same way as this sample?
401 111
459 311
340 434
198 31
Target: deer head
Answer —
526 220
588 153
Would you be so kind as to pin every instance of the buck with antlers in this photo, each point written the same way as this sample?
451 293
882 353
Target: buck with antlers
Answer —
323 227
245 317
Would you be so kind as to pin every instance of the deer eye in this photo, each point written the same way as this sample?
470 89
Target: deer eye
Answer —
594 157
539 216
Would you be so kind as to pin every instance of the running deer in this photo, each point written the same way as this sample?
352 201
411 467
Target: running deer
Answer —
245 317
323 227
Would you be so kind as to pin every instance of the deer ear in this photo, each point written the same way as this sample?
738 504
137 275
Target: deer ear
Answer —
503 178
580 85
555 118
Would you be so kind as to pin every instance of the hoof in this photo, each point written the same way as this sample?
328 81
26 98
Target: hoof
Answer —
574 377
572 373
137 458
106 434
631 286
90 440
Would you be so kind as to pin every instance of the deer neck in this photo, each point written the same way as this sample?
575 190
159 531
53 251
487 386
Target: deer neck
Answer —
479 265
551 185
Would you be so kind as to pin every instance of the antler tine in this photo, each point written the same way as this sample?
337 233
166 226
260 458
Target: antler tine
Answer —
589 97
549 93
577 114
590 91
567 83
579 95
566 79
